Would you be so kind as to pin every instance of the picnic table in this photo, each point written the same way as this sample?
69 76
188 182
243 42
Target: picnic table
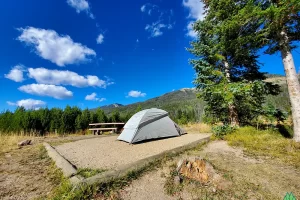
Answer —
114 127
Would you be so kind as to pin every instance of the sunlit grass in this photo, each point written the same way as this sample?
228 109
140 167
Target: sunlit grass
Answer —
88 172
269 143
197 128
8 143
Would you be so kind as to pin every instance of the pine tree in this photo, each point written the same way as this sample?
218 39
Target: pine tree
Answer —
227 69
55 123
101 117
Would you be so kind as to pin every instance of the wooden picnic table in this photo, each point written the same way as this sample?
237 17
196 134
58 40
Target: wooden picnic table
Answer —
117 126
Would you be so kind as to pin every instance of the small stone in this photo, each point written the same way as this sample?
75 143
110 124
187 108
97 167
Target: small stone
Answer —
176 180
214 190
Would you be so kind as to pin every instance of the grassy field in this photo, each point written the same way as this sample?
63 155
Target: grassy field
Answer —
261 165
267 143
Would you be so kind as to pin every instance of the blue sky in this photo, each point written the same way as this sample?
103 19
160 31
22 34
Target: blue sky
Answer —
90 53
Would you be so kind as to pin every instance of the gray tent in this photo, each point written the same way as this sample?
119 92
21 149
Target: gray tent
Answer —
149 124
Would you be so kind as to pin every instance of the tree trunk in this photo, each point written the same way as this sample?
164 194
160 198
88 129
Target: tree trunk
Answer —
292 82
233 116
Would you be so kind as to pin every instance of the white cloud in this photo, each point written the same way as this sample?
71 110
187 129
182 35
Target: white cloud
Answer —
149 8
143 8
134 93
59 49
196 12
155 29
100 39
81 5
57 92
163 19
28 103
196 9
16 73
65 77
93 97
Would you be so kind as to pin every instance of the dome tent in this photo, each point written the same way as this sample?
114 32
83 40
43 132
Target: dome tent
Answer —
149 124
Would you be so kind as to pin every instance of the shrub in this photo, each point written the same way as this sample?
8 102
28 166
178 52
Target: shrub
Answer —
221 130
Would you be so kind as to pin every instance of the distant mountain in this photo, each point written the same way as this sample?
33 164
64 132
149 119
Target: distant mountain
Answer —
186 100
111 106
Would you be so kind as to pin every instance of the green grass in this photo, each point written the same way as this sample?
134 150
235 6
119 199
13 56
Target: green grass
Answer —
269 143
88 172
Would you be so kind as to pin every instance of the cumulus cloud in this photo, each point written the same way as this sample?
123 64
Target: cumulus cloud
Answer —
65 77
16 73
59 49
100 39
196 12
93 97
57 92
163 19
134 93
196 9
28 103
81 6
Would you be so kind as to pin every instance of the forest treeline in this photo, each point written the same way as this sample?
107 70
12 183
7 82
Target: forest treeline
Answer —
55 120
69 120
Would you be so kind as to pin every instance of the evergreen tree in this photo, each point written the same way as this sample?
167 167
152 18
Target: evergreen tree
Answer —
115 116
227 69
85 119
55 123
101 117
138 108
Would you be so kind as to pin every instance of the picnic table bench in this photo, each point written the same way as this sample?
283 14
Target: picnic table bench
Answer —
117 126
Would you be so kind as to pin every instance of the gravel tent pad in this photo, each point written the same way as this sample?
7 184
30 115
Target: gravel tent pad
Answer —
109 153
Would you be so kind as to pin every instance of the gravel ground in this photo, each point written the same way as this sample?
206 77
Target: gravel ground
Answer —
110 153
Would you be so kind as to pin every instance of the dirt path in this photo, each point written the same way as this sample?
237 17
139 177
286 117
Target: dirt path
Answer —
28 172
148 187
250 178
24 174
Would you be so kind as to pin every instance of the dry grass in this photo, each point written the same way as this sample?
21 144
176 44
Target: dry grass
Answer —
8 143
267 143
197 128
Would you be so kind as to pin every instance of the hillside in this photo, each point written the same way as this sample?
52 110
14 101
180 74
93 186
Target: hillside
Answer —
185 100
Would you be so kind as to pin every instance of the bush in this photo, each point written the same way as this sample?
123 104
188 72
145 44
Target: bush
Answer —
221 130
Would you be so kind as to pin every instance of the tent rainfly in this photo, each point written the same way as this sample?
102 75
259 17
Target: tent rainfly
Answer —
149 124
